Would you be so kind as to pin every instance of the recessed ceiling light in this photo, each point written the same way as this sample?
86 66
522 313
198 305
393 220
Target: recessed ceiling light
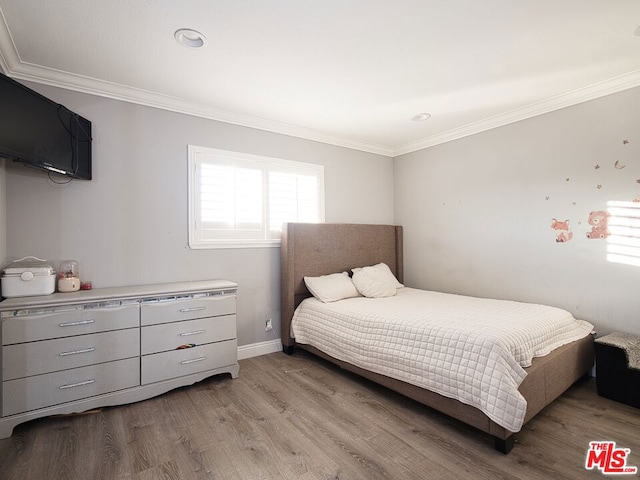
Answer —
421 117
190 38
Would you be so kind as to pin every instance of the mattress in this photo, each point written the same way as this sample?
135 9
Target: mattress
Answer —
467 348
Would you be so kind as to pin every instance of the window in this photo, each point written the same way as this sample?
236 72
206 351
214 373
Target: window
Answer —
623 232
242 200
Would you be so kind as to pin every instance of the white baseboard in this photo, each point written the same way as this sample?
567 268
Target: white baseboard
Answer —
261 348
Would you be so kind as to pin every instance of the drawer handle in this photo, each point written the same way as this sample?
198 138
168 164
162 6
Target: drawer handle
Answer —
75 324
187 362
75 352
195 332
79 384
192 309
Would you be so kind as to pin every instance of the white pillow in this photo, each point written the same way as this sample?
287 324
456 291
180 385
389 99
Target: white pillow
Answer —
376 281
385 272
331 288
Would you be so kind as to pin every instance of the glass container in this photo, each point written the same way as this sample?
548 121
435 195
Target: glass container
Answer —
68 276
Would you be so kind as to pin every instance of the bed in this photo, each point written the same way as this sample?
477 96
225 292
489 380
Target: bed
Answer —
316 250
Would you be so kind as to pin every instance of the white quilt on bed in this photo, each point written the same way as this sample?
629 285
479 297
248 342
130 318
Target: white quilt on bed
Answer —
471 349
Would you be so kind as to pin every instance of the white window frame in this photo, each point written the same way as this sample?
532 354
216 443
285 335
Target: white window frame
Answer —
201 238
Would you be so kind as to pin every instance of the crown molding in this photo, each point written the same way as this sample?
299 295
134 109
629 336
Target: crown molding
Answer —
581 95
13 66
8 52
56 78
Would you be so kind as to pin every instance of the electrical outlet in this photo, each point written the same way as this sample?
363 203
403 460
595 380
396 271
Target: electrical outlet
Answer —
268 326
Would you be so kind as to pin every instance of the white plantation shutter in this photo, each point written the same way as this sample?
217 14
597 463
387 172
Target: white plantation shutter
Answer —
293 197
230 197
239 199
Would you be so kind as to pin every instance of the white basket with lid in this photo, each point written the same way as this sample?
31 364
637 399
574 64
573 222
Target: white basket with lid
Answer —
28 277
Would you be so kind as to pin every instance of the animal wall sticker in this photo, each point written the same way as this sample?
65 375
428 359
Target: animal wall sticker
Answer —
609 186
598 220
562 229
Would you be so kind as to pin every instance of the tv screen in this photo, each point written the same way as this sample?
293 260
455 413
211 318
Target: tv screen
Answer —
41 133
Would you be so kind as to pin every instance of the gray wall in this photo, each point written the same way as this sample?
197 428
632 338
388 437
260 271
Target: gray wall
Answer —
128 225
477 211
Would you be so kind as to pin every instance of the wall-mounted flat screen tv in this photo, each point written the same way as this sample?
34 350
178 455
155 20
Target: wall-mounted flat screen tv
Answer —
41 133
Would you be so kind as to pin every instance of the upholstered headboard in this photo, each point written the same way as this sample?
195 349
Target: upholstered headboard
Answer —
314 249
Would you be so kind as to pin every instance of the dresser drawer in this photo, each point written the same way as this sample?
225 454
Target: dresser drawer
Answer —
31 393
163 366
35 358
169 336
65 322
152 313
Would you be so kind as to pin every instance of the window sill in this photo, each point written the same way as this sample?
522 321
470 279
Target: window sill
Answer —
229 244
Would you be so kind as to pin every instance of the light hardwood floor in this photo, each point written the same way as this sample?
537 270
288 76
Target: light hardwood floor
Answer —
297 417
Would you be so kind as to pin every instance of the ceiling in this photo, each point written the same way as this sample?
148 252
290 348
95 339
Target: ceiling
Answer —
345 72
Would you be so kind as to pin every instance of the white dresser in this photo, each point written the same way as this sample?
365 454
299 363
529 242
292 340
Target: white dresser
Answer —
71 352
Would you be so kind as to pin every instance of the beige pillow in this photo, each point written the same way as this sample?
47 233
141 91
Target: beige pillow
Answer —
331 288
376 281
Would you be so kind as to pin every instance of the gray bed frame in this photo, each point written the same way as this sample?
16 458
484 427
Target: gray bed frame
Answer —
321 249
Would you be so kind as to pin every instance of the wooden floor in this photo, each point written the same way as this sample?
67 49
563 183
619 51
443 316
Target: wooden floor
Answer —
297 417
